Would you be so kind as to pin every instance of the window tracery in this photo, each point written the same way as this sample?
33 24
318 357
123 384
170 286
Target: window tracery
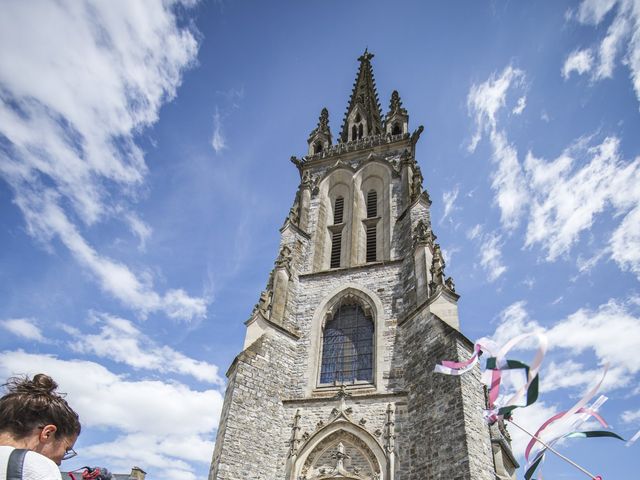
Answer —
347 347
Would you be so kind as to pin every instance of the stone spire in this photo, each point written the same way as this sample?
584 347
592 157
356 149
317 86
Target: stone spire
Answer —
397 119
364 99
320 137
395 106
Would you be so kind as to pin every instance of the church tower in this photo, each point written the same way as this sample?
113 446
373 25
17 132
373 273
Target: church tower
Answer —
336 379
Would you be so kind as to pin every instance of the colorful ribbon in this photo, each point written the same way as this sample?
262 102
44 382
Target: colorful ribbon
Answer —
496 364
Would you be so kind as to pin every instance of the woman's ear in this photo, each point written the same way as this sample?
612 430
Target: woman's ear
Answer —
48 433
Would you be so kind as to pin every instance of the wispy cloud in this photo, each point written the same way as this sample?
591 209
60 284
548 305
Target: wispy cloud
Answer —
520 106
566 199
559 199
486 99
621 43
490 251
163 425
449 199
78 80
218 141
579 61
23 327
231 100
596 331
631 416
121 341
484 102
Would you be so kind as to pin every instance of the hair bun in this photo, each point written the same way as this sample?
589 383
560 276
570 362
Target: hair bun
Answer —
44 383
40 385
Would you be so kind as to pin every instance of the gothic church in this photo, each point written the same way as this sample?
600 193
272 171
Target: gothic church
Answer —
336 377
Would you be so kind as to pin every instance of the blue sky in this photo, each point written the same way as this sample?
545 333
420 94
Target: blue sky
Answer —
144 166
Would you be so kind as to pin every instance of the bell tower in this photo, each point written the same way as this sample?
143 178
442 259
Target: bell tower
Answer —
335 379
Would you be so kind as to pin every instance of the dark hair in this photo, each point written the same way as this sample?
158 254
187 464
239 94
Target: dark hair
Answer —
29 404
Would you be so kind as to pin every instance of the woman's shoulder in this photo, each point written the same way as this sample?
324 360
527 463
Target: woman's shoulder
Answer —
39 467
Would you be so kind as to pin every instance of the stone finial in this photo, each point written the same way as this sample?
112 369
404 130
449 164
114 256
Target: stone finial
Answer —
264 304
294 212
323 124
390 424
396 104
437 269
295 434
416 182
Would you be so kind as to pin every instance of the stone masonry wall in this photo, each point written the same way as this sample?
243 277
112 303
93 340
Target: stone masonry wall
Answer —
252 440
446 437
384 281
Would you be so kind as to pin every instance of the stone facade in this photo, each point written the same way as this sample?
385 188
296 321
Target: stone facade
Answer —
358 234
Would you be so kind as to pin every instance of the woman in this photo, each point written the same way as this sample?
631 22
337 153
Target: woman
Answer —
36 418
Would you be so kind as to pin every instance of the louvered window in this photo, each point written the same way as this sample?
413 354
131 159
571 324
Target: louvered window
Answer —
372 204
371 243
336 246
347 347
338 210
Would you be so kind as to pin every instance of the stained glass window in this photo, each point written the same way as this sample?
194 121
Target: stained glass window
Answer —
347 347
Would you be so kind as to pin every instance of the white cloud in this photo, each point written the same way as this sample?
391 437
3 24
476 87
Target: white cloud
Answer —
579 61
78 81
164 425
585 265
45 217
508 181
631 416
596 331
139 229
491 256
625 242
623 35
530 419
593 11
474 232
567 199
449 199
560 199
529 282
23 327
490 250
486 99
484 102
218 141
519 108
120 340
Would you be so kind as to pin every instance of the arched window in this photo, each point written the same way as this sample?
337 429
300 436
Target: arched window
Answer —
395 129
354 133
360 131
347 347
317 147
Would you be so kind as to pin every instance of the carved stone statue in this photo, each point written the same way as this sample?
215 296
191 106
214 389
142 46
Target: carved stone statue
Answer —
284 258
450 285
